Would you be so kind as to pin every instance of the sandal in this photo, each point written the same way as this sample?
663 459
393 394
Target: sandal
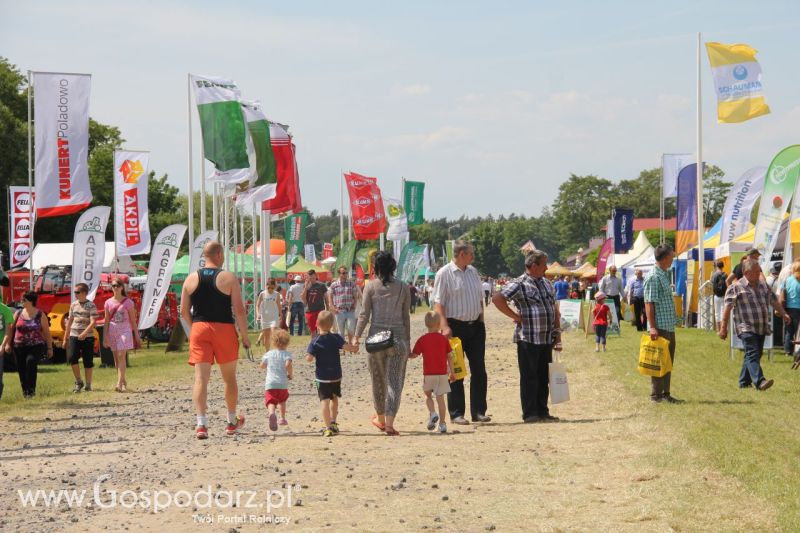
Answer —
377 423
390 431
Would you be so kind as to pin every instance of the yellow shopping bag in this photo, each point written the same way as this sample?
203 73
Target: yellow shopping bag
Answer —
459 366
654 359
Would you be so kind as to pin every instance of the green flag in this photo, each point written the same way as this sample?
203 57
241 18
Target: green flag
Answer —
413 193
362 258
221 121
411 258
346 256
779 186
449 249
294 227
258 126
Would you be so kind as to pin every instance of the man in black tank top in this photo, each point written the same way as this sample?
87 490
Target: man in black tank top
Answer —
211 303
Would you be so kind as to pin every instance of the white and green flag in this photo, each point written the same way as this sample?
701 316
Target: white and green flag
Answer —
411 258
262 174
222 122
89 248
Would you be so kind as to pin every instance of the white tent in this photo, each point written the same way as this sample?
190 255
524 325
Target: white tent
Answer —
640 246
60 254
644 262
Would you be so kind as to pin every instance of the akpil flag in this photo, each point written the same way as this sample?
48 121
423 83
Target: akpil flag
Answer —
779 186
131 215
61 115
686 234
287 191
740 202
366 206
327 250
413 196
22 209
737 78
89 248
221 122
602 259
671 166
623 230
159 273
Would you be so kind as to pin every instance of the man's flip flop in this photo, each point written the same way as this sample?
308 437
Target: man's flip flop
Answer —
377 423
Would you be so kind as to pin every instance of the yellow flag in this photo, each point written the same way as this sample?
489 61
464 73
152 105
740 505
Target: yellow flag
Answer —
737 78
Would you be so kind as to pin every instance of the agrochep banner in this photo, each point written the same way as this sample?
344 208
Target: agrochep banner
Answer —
89 248
159 273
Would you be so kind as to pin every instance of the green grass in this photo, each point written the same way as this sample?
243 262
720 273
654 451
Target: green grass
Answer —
750 435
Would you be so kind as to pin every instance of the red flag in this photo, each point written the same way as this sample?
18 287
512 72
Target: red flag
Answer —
327 250
366 205
287 190
602 258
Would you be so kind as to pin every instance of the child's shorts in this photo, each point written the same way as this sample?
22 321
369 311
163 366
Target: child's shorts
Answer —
326 390
438 383
275 396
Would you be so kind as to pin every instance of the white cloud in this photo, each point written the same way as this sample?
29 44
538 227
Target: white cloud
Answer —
415 89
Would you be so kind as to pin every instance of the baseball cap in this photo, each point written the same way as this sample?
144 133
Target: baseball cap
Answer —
600 295
298 278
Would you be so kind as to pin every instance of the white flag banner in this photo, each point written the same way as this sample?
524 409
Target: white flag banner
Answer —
131 216
159 273
739 205
310 253
196 259
671 165
21 211
89 248
61 115
255 196
398 222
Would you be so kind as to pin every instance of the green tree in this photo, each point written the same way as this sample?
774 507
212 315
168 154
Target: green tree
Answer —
581 208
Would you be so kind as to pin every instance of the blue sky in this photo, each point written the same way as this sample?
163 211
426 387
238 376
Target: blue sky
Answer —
493 105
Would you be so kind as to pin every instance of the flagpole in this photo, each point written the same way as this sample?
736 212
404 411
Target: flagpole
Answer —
190 177
214 207
256 271
341 210
266 258
700 222
662 214
202 185
30 185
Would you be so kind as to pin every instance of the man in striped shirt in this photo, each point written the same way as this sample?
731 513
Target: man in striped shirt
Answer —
458 298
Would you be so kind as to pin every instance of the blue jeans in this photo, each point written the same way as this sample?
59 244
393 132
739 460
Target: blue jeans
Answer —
346 323
297 311
751 373
790 330
600 333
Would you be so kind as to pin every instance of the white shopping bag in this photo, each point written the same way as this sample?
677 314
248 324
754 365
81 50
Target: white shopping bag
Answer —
559 388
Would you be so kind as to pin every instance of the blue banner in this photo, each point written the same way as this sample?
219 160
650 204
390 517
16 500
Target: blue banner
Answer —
686 234
623 230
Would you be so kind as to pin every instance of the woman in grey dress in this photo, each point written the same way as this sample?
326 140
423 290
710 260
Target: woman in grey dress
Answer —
386 303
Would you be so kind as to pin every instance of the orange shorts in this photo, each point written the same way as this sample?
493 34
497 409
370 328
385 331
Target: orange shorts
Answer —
211 342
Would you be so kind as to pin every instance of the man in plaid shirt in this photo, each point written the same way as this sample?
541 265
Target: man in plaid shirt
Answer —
537 333
343 297
750 298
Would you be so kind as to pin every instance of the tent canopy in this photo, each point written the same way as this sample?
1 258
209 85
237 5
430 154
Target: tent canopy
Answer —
300 267
60 254
640 246
556 269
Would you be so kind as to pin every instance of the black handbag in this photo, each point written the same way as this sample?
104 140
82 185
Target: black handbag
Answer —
383 339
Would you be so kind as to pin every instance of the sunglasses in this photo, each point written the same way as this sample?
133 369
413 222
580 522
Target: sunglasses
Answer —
77 292
115 285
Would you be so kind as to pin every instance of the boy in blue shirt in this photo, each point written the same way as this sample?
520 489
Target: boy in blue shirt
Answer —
324 351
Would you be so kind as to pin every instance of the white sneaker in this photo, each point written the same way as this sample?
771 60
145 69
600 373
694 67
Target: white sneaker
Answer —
432 419
442 428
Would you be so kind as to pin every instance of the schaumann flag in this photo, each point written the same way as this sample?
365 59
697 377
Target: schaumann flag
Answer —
89 248
61 115
740 202
162 262
686 234
413 195
737 78
623 230
131 216
779 186
221 121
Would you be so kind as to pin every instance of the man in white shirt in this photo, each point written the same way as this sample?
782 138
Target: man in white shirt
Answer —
611 285
296 307
457 298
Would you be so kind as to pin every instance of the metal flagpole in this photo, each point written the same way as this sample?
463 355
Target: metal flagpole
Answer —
254 229
341 209
191 178
266 258
30 184
661 205
700 222
215 207
202 185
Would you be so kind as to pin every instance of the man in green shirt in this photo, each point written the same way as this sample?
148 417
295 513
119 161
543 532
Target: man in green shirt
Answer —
660 310
6 318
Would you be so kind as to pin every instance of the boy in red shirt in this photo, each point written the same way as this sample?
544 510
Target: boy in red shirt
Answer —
437 367
600 314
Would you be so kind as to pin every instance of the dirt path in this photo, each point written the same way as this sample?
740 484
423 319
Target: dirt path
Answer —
605 466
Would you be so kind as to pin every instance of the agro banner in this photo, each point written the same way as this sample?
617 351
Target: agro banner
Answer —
686 234
671 166
779 186
131 215
411 258
159 273
398 223
22 212
294 227
310 253
740 202
413 195
61 115
287 190
346 256
89 248
623 230
196 259
737 78
602 259
221 121
327 250
366 206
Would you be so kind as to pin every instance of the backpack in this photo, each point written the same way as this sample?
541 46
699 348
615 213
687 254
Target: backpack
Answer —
719 284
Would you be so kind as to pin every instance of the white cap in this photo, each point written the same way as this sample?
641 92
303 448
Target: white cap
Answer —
298 278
